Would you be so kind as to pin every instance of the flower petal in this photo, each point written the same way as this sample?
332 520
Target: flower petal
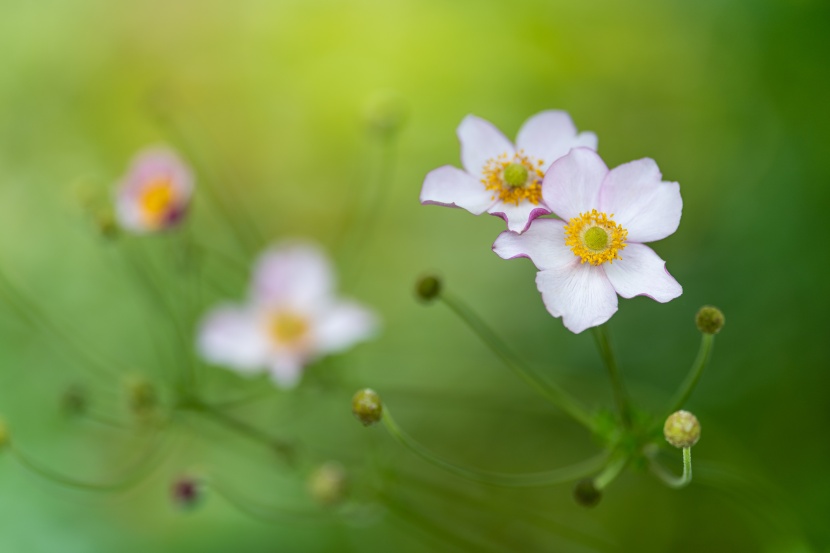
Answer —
296 274
543 243
452 187
285 369
480 141
345 324
518 217
648 208
641 272
550 135
232 336
571 185
579 293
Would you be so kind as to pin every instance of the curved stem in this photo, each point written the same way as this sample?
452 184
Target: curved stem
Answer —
552 392
669 479
607 354
704 354
603 479
546 478
268 513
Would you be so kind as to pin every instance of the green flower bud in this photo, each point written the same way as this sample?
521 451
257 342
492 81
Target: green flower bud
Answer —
106 224
367 407
709 319
74 400
586 493
428 288
328 483
682 429
142 397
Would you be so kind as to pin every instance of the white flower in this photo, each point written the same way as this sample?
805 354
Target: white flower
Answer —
596 251
293 318
155 193
500 178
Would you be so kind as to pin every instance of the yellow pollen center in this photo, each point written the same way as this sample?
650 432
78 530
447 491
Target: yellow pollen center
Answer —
514 178
288 328
595 238
156 200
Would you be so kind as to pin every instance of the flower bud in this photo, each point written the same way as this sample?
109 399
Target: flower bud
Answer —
428 288
106 224
385 113
709 319
142 397
74 400
186 492
367 407
328 483
586 493
682 429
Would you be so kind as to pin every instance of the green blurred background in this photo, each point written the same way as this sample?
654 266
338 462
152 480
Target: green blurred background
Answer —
270 99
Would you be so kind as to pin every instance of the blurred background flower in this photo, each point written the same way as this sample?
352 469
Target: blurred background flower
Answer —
267 102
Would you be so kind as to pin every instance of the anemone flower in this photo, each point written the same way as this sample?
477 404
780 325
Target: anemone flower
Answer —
500 178
292 318
597 250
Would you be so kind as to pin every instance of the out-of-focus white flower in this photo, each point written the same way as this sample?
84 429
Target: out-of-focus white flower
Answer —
155 193
500 178
597 250
293 317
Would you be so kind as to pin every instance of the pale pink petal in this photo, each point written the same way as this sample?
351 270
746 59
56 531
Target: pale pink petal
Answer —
648 208
579 293
286 368
641 272
480 141
452 187
343 325
543 243
518 217
295 274
550 135
572 184
232 337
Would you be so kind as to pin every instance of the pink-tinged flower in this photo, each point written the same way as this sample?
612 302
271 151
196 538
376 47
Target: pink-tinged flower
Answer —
500 178
597 250
292 318
155 193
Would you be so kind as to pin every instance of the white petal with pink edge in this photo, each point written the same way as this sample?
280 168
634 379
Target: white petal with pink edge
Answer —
579 293
343 325
648 208
518 217
481 141
450 186
296 274
549 135
641 272
572 184
233 337
543 243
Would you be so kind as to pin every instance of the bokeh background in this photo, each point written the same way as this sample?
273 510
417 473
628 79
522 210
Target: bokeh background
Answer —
272 102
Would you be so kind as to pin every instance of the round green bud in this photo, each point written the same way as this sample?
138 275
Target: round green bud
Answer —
515 175
367 407
106 224
74 400
428 288
328 483
709 319
142 397
586 493
682 429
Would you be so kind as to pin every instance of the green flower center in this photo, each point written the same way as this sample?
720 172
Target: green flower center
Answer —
596 239
515 175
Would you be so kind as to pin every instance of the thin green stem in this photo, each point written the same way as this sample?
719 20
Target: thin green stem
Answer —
669 479
704 354
269 513
545 478
610 473
549 390
610 360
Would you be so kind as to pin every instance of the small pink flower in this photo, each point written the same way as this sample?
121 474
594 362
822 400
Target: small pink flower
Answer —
597 250
155 193
293 318
500 178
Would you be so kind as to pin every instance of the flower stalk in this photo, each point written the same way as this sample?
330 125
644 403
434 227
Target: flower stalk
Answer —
610 360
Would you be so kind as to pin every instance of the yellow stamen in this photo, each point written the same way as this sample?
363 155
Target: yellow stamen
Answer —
514 178
288 328
157 200
595 238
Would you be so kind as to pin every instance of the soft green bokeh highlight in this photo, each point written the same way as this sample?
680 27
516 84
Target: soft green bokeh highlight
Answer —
728 97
